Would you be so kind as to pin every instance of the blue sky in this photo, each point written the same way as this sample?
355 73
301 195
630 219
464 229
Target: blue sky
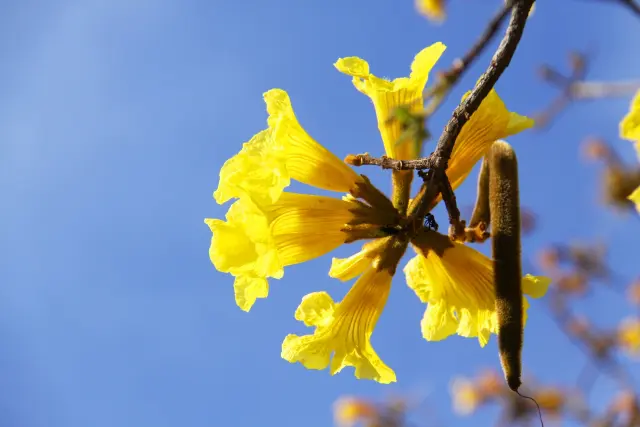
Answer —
115 119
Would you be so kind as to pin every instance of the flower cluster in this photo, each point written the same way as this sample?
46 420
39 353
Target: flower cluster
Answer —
268 228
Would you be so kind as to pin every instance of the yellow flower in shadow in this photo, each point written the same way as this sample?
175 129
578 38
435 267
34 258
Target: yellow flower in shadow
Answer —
456 282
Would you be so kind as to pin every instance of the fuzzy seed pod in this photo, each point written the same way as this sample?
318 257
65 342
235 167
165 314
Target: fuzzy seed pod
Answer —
507 271
481 211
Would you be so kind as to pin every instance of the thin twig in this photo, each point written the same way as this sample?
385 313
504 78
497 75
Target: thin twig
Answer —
590 90
469 105
439 92
579 64
388 163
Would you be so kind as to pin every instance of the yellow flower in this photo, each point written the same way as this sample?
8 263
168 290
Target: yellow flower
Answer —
630 129
387 95
343 329
274 156
630 124
258 242
491 121
629 336
456 282
431 9
550 399
466 396
349 410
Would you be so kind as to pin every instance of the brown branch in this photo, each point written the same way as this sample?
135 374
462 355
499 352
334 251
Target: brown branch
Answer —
441 89
591 90
469 105
579 63
388 163
633 6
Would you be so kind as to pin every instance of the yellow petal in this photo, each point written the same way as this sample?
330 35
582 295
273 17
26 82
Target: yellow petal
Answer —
256 243
431 9
306 160
457 281
635 198
258 170
517 124
316 309
243 244
349 268
247 289
535 287
630 124
438 322
307 226
491 122
387 95
344 331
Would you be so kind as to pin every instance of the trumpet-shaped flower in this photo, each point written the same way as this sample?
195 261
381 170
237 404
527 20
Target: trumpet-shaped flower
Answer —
456 282
256 243
387 95
274 156
343 330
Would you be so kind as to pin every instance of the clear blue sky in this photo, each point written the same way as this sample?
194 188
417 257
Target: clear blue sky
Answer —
115 117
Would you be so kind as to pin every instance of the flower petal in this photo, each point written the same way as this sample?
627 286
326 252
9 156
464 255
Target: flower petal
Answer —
458 282
346 334
247 289
438 322
243 244
258 170
635 198
387 95
491 122
630 124
306 160
349 268
535 287
307 226
258 242
316 309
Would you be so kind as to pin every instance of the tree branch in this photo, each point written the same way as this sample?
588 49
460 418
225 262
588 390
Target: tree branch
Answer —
469 105
438 92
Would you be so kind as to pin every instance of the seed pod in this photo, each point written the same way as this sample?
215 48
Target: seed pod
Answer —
507 269
481 211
